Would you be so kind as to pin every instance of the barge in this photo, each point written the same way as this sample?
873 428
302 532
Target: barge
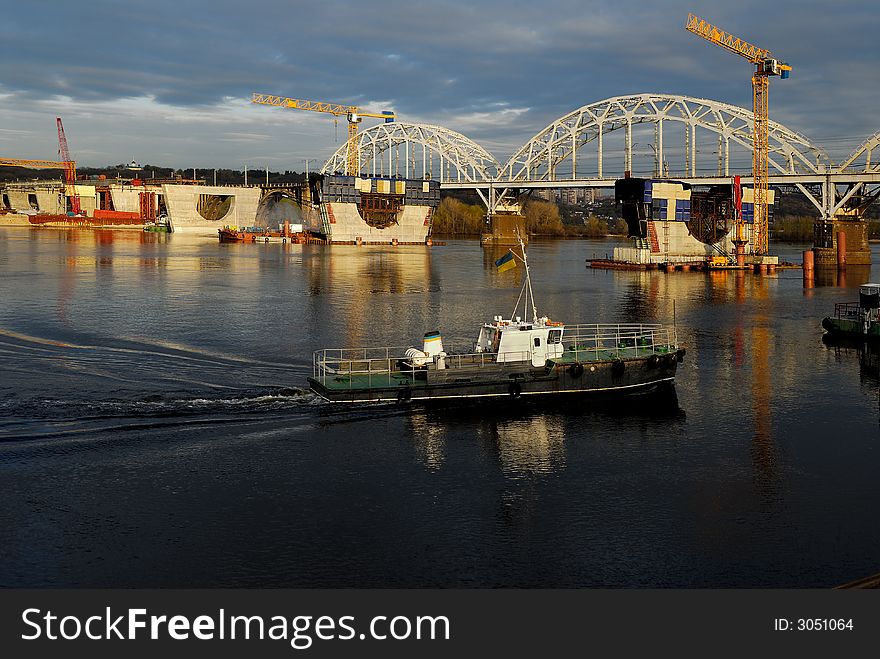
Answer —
511 358
286 232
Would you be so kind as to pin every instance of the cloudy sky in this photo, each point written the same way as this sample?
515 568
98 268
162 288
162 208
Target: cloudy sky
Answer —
169 83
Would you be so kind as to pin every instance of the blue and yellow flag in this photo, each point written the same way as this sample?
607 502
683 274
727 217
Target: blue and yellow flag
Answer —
506 262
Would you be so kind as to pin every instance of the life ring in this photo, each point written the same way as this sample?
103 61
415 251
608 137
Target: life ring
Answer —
576 370
618 367
653 360
404 395
515 390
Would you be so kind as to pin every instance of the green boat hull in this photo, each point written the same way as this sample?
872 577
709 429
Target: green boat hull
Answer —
853 328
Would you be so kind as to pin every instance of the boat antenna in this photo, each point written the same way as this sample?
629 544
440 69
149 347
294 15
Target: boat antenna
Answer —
527 285
674 327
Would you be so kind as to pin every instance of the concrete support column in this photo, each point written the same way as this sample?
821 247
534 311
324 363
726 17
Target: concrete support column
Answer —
727 155
660 147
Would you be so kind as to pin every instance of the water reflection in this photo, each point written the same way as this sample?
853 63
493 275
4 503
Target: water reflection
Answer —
866 353
528 446
429 440
527 438
764 452
852 276
358 281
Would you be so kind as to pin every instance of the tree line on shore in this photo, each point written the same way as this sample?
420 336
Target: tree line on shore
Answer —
454 217
794 215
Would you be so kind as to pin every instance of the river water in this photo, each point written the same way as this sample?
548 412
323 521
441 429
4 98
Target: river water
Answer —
156 429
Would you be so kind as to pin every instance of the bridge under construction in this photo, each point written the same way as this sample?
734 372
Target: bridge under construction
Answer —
697 143
693 141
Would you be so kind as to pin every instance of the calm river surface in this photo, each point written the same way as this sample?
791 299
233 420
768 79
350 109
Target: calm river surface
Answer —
155 428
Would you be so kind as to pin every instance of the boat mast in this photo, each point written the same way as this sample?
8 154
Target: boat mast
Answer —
527 286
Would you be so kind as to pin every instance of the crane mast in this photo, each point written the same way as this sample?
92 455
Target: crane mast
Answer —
352 113
765 66
70 170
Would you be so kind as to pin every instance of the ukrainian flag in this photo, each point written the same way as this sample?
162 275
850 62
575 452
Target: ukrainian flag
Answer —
506 262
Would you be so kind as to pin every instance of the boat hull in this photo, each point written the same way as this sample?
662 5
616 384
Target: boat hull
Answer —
851 328
637 376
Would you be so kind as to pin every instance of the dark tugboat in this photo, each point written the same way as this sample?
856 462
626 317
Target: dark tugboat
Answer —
511 358
856 320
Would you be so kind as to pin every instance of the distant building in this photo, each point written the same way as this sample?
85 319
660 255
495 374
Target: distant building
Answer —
569 196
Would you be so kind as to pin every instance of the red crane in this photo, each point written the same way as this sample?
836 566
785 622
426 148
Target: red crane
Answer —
69 169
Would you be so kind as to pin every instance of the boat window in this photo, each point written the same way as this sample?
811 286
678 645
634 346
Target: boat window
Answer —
555 336
537 341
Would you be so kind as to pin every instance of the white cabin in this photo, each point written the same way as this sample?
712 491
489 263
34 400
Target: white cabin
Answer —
517 340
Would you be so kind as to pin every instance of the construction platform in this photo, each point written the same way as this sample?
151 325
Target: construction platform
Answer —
268 235
690 266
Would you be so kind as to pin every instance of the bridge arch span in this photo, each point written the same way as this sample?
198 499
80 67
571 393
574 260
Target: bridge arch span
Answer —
863 158
557 152
417 151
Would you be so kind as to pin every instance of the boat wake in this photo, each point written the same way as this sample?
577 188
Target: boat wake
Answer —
53 417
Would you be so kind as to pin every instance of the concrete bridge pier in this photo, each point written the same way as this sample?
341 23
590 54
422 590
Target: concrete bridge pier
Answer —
849 234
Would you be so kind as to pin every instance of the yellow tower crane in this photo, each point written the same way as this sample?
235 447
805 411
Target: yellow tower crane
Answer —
765 66
352 112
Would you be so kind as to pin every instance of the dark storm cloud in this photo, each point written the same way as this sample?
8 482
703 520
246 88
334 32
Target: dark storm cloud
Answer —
446 63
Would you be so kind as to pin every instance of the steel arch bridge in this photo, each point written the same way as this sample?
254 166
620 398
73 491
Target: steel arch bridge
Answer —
564 140
415 150
573 151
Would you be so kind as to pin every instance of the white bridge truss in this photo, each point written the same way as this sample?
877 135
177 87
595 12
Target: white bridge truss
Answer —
563 142
584 149
417 151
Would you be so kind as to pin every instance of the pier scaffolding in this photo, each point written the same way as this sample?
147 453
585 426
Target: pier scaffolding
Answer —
675 225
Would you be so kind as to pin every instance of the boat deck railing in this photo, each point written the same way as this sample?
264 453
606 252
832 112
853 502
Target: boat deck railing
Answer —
389 366
584 343
848 310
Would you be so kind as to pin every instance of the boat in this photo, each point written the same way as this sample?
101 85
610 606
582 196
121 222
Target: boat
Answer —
856 320
161 224
511 358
